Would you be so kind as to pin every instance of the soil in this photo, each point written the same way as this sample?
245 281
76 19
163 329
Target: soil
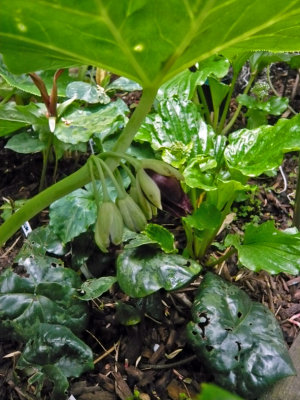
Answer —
153 356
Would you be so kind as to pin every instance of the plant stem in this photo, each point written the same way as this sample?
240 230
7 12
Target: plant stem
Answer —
238 110
204 104
221 259
227 103
46 154
42 200
296 219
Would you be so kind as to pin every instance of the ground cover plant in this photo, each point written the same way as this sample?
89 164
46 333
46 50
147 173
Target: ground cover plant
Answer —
177 151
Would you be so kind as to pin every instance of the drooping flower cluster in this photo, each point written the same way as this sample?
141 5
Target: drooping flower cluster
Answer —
154 185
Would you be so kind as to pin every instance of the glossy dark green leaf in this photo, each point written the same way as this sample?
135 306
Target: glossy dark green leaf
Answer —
274 105
145 270
253 152
78 125
184 84
93 288
87 92
73 214
58 354
266 248
46 294
168 35
209 391
238 340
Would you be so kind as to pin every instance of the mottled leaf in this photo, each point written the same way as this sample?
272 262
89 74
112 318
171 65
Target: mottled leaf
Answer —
238 340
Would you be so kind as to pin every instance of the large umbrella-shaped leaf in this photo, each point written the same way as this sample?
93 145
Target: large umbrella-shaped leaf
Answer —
144 270
147 41
267 248
239 340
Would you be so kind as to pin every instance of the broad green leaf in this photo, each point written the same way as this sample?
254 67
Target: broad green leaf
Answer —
13 117
124 84
78 125
87 92
25 143
238 340
93 288
73 214
184 84
25 83
168 35
255 151
8 127
144 270
209 391
274 105
266 248
46 295
58 354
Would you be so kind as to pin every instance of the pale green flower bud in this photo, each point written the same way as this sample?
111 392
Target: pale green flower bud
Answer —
133 216
160 167
109 226
149 188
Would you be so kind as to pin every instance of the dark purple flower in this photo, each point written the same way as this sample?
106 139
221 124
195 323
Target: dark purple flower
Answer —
173 197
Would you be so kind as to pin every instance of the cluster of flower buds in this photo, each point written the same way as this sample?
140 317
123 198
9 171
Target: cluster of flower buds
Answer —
153 184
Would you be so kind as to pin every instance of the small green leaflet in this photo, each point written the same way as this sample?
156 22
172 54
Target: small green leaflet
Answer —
266 248
93 288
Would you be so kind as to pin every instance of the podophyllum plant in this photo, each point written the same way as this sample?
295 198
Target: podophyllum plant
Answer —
152 43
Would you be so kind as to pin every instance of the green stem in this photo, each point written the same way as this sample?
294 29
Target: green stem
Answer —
120 189
98 164
227 103
80 177
238 110
296 219
204 104
46 154
221 259
42 200
96 193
